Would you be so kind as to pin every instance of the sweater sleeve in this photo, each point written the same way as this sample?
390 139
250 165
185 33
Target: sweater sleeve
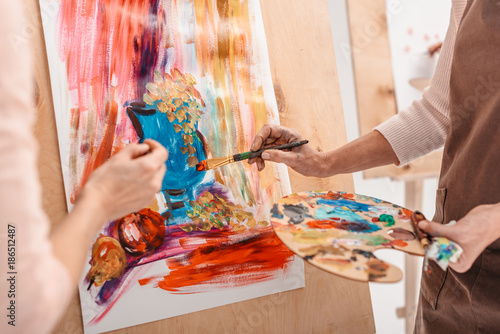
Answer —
423 127
35 285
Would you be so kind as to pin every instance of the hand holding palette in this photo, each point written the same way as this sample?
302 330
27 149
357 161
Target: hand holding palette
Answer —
339 232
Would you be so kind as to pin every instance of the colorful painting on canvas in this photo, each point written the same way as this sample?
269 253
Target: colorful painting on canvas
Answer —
339 232
193 75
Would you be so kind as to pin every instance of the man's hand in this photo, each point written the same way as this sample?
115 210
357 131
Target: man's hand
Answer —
476 231
128 181
302 159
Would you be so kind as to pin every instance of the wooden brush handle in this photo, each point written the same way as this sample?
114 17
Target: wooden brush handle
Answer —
416 217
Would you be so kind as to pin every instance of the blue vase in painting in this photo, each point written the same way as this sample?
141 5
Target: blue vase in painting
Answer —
181 176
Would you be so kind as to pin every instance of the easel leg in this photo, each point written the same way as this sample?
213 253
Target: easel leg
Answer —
413 200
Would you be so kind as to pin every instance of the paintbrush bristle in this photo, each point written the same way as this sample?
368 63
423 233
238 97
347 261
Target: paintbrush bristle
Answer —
202 166
213 163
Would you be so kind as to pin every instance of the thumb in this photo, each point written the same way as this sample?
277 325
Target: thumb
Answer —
133 151
288 158
434 229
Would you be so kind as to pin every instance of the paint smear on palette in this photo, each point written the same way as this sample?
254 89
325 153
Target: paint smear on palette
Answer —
339 232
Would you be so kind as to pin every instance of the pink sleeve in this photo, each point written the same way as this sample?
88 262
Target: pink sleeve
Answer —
423 126
39 288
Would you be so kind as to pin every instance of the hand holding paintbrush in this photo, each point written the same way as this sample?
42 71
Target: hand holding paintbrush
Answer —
303 159
218 162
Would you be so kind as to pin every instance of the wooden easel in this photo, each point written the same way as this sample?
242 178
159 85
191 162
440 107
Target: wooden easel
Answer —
376 103
304 73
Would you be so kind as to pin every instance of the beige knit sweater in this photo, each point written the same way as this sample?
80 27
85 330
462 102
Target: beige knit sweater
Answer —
40 288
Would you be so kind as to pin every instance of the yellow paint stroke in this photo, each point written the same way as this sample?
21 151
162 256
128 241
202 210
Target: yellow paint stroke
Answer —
314 236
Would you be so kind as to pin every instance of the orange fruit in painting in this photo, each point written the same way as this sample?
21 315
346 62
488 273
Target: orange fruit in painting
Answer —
141 232
108 260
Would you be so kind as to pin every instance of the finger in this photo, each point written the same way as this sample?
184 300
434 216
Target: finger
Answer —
269 134
158 178
288 158
158 152
133 151
435 229
461 266
260 137
261 165
260 161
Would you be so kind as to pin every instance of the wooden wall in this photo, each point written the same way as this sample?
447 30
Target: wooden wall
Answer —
306 84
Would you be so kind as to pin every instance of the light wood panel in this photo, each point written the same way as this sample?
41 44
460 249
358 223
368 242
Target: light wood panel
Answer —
303 67
374 82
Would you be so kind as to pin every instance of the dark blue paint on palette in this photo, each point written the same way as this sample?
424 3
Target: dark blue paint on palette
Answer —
275 212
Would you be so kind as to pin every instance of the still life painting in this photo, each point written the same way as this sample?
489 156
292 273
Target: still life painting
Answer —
193 75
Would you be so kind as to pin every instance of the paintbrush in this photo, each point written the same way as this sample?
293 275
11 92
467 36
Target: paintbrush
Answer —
416 217
218 162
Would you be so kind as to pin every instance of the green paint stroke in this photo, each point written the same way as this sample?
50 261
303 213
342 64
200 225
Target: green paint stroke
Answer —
387 219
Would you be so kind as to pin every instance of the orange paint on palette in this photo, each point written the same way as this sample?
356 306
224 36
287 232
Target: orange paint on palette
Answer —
348 196
331 195
407 212
227 264
321 224
399 243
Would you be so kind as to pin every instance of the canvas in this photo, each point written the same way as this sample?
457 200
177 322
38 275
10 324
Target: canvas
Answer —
193 75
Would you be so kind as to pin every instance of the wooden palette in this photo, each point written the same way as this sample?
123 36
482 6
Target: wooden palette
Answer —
338 232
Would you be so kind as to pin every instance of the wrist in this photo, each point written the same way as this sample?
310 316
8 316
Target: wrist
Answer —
93 205
328 164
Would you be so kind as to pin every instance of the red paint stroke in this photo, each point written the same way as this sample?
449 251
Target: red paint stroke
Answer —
331 195
348 196
221 263
110 51
104 150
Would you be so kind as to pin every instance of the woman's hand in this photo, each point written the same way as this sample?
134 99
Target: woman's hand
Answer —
128 181
476 231
302 159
